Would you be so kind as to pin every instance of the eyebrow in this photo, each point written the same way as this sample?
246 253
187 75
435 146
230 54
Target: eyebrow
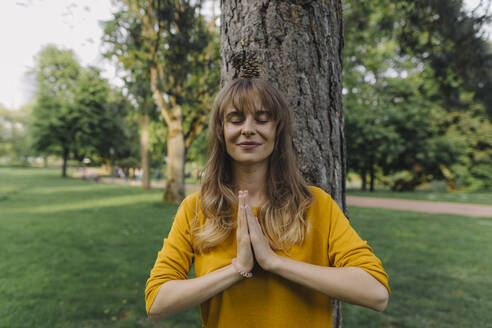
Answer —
236 112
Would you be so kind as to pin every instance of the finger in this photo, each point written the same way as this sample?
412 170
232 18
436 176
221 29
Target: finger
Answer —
240 212
253 225
246 209
245 219
242 217
246 202
249 212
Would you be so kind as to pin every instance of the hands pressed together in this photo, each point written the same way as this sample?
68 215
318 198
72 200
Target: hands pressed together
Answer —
251 241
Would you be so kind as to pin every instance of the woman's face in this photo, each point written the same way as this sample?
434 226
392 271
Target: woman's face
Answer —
249 136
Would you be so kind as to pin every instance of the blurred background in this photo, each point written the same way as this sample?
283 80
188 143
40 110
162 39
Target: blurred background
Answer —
78 101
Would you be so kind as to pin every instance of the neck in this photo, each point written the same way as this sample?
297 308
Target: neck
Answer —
253 179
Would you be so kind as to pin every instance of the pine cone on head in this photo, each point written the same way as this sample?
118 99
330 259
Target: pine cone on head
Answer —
247 65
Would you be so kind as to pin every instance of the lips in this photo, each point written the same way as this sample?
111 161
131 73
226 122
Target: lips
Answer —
248 144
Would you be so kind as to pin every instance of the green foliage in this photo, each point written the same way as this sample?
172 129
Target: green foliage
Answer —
182 44
197 152
123 43
444 35
55 119
398 120
15 142
115 132
89 104
76 112
472 125
157 144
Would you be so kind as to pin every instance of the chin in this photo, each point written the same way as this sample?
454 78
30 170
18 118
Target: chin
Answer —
249 161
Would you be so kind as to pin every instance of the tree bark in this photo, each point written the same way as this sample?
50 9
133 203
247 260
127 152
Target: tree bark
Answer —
371 174
144 147
65 160
174 191
363 176
298 48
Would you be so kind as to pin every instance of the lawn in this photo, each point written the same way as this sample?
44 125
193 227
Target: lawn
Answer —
77 254
440 269
475 197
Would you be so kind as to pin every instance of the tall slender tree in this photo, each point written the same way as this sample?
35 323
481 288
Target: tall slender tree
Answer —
164 42
297 46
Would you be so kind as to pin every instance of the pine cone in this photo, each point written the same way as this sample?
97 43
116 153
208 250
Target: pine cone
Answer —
247 65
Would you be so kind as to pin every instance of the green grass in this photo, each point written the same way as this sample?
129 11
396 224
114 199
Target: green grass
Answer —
476 197
439 266
77 254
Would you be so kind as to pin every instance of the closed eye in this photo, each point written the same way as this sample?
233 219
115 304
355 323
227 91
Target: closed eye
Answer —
235 118
263 116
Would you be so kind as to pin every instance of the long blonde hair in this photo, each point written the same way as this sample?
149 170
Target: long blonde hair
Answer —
283 217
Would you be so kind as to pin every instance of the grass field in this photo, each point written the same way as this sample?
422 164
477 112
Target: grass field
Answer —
77 254
476 197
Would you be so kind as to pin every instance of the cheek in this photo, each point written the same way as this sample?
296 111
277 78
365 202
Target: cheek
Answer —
229 139
231 132
269 133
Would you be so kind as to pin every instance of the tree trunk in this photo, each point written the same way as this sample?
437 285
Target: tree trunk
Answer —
363 176
371 174
144 146
174 190
298 48
65 160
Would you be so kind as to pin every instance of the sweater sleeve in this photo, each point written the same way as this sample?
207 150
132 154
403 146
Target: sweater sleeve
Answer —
176 256
347 249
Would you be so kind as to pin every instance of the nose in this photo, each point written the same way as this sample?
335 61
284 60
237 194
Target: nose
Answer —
248 127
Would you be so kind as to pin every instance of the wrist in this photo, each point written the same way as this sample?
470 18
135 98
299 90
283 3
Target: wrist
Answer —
244 273
274 263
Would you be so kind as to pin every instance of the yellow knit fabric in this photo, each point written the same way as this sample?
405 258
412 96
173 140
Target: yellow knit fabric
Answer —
265 300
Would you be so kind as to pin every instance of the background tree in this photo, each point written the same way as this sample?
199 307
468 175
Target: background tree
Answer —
73 113
114 137
395 96
451 40
15 144
124 42
166 41
297 46
56 126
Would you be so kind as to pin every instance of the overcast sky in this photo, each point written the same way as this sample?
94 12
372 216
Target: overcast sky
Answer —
27 25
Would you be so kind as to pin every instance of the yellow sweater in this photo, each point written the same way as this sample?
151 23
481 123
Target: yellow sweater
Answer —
265 300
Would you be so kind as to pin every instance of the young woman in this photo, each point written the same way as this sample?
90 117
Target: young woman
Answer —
269 251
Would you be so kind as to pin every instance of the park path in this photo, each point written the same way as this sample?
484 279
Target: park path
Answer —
389 203
422 206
